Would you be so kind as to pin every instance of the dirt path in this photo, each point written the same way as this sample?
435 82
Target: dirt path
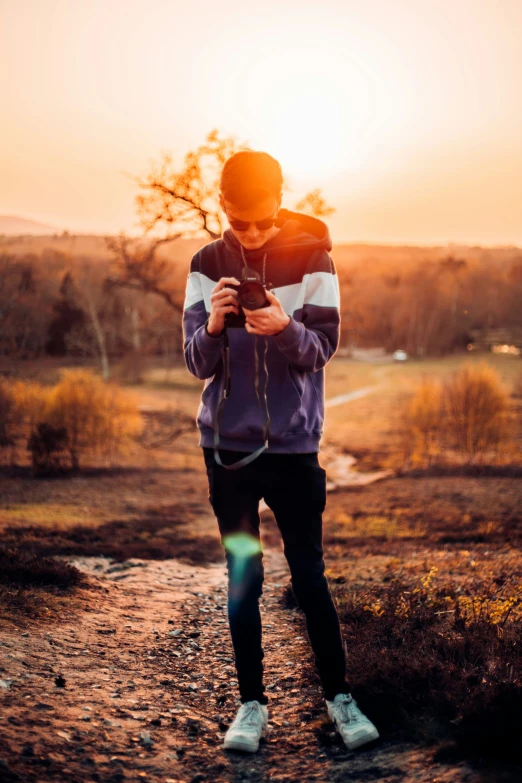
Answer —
150 689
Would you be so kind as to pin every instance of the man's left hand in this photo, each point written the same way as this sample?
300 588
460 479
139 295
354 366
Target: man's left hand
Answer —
267 320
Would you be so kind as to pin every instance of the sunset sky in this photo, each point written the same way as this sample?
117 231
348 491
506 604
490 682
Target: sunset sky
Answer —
407 113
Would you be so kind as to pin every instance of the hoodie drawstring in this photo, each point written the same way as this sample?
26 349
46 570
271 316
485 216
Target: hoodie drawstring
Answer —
226 390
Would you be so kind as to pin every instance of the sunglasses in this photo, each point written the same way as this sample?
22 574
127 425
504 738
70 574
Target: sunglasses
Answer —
243 225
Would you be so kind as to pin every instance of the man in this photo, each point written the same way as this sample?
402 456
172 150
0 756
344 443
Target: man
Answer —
268 450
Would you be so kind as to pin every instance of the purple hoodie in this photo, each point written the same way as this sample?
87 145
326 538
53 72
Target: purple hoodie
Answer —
305 281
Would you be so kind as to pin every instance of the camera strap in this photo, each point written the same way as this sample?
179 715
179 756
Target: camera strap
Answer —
226 393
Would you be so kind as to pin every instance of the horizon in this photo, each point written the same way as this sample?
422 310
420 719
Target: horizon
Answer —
59 233
408 122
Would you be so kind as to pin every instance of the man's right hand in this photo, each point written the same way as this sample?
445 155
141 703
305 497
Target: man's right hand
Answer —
223 300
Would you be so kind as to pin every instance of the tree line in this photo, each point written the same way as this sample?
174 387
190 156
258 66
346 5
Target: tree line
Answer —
127 301
57 305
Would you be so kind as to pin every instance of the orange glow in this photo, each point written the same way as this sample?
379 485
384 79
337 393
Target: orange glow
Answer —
407 115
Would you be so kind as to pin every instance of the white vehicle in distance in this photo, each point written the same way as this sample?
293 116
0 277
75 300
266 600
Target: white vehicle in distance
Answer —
400 356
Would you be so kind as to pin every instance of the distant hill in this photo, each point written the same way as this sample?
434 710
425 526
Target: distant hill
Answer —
180 251
86 245
12 225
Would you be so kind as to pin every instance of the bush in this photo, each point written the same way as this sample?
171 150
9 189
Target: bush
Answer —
81 415
420 425
467 413
98 416
476 411
48 446
21 407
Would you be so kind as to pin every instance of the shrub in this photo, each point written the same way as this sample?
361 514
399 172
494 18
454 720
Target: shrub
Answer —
467 413
48 446
81 414
420 424
21 406
33 400
476 411
99 417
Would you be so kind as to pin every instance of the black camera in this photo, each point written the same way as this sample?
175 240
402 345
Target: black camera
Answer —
250 294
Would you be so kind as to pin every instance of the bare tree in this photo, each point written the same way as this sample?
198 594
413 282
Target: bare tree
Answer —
187 204
184 202
314 204
188 200
87 289
135 265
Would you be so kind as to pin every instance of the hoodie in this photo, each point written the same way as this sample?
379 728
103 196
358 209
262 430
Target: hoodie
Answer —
304 279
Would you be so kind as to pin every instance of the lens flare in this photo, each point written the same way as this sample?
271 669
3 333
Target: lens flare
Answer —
242 545
240 548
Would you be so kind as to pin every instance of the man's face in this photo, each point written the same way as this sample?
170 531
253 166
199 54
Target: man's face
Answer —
252 237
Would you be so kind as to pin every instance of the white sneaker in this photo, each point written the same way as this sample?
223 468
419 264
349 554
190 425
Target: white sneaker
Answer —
249 725
353 725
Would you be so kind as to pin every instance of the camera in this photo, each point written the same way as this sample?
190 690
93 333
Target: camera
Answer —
250 294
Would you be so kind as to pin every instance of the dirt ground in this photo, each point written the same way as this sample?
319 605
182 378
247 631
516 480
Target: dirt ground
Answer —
139 684
146 680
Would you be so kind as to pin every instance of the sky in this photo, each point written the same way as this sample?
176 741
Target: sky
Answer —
406 113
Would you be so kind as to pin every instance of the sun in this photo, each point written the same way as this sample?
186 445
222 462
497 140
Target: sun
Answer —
310 110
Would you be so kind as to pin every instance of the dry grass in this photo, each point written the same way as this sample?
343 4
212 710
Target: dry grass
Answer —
434 652
48 515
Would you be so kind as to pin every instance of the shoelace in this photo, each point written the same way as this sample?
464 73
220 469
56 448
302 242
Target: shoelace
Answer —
348 710
247 714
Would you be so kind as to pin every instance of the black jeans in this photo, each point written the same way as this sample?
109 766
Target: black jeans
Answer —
294 488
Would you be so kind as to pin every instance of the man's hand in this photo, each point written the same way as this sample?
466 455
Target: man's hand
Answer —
223 300
267 320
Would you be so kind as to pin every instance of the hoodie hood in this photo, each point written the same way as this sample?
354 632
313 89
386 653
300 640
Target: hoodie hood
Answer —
298 232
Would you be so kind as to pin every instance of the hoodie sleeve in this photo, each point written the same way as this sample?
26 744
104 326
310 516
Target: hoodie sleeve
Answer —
202 350
309 344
